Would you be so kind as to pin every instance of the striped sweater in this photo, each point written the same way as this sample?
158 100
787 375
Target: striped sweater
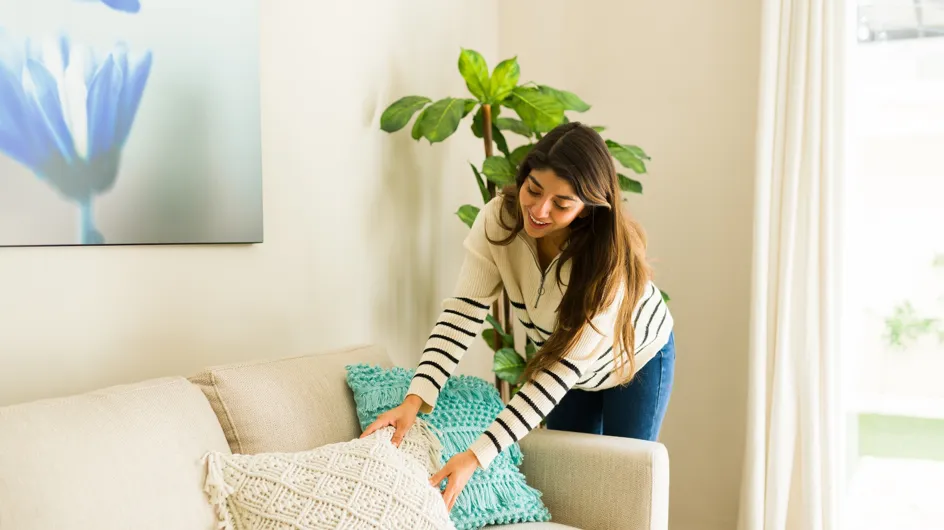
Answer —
535 296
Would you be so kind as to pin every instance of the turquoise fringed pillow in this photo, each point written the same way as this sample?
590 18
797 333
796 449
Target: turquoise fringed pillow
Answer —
466 407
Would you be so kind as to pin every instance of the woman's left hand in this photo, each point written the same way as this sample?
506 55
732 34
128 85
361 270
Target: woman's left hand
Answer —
458 470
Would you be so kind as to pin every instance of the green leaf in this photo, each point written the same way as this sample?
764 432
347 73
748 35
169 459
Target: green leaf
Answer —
469 106
540 111
627 156
479 118
508 365
417 132
467 214
569 100
598 128
636 151
665 295
441 119
628 184
530 349
489 336
481 182
474 70
513 125
518 155
399 113
504 79
499 170
500 141
508 339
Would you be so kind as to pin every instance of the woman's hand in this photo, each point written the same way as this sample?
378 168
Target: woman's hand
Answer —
402 417
458 470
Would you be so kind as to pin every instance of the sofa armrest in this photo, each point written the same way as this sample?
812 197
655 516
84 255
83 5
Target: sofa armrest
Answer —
599 482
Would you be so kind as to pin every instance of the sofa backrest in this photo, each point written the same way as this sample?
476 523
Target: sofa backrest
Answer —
289 404
122 457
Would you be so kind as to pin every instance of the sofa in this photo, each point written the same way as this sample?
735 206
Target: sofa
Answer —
130 456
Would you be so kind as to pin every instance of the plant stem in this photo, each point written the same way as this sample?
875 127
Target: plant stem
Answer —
88 233
489 143
501 308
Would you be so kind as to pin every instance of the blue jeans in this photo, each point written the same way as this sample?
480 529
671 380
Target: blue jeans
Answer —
632 411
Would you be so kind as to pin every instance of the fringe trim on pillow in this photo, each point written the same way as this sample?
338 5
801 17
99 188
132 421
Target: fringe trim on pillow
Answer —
217 489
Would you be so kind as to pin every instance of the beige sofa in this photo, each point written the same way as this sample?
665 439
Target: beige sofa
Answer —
129 457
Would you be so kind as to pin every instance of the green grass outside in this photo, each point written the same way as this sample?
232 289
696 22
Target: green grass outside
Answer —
901 437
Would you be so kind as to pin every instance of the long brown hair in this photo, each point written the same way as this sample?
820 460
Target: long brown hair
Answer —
607 248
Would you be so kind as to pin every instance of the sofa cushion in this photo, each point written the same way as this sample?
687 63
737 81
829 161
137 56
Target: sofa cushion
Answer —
360 483
467 405
122 457
288 404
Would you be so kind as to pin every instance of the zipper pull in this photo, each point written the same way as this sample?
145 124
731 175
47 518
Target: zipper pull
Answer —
540 293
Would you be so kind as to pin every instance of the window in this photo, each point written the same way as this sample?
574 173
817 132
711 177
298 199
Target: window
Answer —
894 265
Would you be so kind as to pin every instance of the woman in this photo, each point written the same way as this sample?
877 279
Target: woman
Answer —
573 265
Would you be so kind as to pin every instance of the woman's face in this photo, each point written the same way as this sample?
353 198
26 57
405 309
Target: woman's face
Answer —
548 204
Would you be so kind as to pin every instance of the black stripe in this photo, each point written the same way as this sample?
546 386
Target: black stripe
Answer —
545 392
518 414
447 339
473 303
532 325
607 376
455 327
649 324
654 337
498 446
597 371
431 380
519 305
643 306
437 350
507 428
570 365
473 319
557 378
607 352
434 363
529 402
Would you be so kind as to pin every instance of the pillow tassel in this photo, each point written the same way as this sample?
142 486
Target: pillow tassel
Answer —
217 489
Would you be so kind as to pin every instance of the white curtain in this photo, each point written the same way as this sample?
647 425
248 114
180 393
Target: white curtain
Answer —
791 470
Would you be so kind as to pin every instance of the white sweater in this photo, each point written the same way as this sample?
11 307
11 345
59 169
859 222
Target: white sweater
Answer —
535 296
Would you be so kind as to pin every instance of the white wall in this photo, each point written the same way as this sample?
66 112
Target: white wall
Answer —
680 80
360 240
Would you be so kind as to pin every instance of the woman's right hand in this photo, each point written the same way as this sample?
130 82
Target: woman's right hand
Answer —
401 417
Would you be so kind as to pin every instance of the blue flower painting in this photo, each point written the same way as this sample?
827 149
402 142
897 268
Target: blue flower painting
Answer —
127 124
128 6
66 114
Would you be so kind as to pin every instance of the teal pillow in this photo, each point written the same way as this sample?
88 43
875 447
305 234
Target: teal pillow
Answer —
466 407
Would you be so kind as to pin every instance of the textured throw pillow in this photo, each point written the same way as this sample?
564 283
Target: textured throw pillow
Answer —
466 406
362 483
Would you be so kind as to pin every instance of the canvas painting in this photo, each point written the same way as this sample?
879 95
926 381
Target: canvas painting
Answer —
129 122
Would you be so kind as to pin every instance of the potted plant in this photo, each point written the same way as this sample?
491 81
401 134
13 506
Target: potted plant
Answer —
500 105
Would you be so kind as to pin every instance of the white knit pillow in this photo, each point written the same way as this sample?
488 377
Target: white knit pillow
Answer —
362 483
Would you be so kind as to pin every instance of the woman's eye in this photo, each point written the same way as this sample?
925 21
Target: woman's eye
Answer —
534 193
559 207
